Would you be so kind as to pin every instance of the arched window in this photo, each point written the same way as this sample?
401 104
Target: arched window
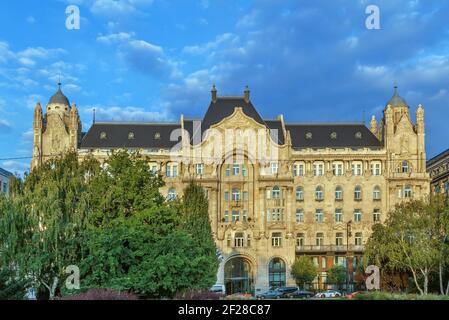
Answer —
338 193
299 194
408 191
358 193
276 192
171 194
319 194
376 193
235 194
276 273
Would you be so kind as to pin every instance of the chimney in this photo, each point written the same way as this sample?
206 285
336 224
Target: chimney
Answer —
214 94
246 94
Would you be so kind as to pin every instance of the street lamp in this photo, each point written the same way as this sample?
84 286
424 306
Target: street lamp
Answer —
348 235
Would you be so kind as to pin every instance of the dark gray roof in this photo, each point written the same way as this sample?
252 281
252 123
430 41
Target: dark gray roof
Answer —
59 98
396 100
5 173
117 135
278 136
438 157
331 136
224 107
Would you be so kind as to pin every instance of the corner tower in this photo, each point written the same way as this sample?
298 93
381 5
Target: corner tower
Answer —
56 132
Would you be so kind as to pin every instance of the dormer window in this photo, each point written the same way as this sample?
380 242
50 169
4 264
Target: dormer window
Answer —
309 135
358 135
103 136
333 135
157 136
131 136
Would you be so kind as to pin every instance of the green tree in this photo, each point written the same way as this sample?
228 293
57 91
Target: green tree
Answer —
337 275
12 287
303 271
41 223
410 240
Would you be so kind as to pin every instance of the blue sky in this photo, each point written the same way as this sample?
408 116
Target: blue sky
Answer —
154 59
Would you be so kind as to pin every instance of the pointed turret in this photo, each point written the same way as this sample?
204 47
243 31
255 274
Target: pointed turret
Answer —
373 125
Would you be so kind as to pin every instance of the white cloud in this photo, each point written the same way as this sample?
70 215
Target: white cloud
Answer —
5 126
118 7
115 37
15 166
223 39
129 113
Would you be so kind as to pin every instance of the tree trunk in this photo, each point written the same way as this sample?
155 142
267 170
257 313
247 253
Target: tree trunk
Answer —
426 281
447 288
416 282
440 273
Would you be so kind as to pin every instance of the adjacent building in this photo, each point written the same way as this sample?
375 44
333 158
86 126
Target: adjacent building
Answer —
276 189
438 168
4 180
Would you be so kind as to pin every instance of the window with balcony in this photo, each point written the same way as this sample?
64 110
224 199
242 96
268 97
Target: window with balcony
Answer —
299 215
358 238
338 193
318 169
404 167
376 215
338 215
376 193
300 239
276 215
319 239
357 168
339 239
319 216
276 239
319 193
337 168
239 239
357 215
199 169
376 168
358 193
299 194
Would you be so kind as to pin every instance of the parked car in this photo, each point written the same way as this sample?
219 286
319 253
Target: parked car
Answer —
218 288
276 293
328 294
300 294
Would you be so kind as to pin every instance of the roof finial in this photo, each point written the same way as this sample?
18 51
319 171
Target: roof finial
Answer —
59 81
246 94
395 90
214 93
94 116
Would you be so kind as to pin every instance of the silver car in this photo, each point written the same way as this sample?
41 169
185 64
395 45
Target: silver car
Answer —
328 294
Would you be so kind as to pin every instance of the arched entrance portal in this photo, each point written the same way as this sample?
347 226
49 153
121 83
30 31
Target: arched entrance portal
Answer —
238 276
276 273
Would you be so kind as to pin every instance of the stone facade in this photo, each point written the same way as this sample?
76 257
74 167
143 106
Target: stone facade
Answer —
276 190
438 168
4 180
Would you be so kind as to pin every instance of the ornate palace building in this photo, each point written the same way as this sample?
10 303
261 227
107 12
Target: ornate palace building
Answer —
277 190
438 168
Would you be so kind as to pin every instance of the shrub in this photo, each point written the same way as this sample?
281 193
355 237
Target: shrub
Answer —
102 294
197 295
397 296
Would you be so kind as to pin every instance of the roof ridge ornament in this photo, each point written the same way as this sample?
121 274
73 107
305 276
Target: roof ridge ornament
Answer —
214 93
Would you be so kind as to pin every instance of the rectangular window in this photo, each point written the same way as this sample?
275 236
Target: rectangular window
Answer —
235 195
319 215
245 195
339 239
239 239
300 240
338 215
337 169
235 216
298 170
199 169
228 171
357 215
358 239
244 172
226 216
319 240
226 196
235 169
299 216
276 239
376 169
245 216
318 169
172 170
357 169
376 215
